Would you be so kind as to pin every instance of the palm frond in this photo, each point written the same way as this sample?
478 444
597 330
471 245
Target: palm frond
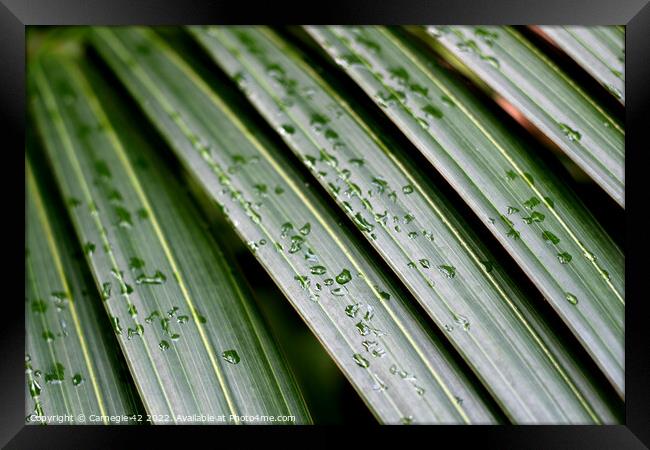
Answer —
588 133
418 234
362 317
541 223
189 331
73 363
599 50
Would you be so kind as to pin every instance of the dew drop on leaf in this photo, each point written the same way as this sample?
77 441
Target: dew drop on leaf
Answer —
448 271
571 298
231 356
360 360
564 257
77 379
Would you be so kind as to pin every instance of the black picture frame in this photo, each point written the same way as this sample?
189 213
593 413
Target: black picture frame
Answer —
15 15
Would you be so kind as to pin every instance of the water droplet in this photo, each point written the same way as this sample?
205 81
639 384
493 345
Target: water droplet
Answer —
447 101
89 248
569 132
343 277
296 243
163 345
360 360
448 271
571 298
339 291
260 189
399 74
231 356
56 374
407 189
590 256
39 306
123 217
303 280
425 263
486 35
305 229
372 46
318 121
151 316
60 299
487 265
157 278
115 196
106 290
550 237
279 190
411 265
564 257
362 328
462 320
419 389
384 295
511 174
48 336
285 229
432 111
468 46
449 328
513 233
380 184
352 310
102 169
288 129
407 420
349 59
318 270
143 214
491 60
77 379
512 210
200 318
362 223
136 263
529 178
534 217
182 319
331 134
74 202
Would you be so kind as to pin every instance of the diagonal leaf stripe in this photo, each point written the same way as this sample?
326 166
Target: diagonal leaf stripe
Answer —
536 218
599 50
73 365
364 320
191 336
591 136
484 315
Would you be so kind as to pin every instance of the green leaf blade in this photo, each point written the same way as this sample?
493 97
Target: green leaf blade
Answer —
495 175
425 243
364 321
193 340
599 50
73 365
591 136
